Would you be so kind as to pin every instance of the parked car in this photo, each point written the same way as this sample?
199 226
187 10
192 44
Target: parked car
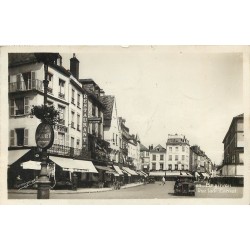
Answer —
184 186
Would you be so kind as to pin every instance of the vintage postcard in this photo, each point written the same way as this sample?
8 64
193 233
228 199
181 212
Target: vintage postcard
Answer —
124 125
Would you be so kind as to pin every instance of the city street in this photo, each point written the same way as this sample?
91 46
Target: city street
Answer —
149 191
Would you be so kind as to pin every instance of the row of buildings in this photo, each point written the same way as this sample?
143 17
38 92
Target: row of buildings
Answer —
90 139
177 156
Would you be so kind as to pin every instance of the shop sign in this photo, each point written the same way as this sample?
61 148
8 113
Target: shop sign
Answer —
44 136
95 119
85 123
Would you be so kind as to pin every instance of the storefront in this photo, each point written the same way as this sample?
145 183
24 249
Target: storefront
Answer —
80 173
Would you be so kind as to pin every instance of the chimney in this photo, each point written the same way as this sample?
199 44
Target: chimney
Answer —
74 66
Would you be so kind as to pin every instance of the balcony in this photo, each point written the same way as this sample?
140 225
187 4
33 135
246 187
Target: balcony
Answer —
25 86
61 128
50 90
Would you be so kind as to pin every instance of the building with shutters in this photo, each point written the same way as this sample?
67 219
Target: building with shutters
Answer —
68 95
145 161
157 158
111 126
177 156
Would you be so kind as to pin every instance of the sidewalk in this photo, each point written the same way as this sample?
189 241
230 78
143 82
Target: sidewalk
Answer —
79 190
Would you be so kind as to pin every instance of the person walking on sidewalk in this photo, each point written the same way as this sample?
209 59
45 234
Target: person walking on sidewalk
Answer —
163 180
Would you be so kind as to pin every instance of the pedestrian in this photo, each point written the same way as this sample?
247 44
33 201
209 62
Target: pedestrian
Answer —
163 180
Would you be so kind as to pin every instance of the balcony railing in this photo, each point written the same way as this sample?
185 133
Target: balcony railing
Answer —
65 150
61 128
26 85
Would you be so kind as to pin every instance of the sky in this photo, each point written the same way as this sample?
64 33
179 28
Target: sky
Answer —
163 90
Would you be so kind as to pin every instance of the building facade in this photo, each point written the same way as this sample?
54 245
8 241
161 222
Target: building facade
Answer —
145 158
233 162
178 153
157 158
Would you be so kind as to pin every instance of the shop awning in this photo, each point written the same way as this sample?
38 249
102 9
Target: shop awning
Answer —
14 155
118 170
157 173
130 171
107 170
183 173
205 174
35 165
126 173
74 165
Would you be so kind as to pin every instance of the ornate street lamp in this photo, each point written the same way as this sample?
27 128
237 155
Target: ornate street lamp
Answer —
44 132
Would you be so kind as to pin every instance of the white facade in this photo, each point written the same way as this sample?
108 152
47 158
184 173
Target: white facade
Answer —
26 88
157 158
178 152
112 134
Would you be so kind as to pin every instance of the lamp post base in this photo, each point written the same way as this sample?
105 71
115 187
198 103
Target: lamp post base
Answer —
43 190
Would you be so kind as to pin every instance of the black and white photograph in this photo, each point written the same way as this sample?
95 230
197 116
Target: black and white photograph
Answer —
122 123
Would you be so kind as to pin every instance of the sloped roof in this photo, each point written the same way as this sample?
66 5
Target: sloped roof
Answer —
143 148
108 102
161 149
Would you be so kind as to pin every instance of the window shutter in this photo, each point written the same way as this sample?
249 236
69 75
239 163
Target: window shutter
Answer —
55 137
26 105
18 81
67 140
33 79
12 138
12 107
18 78
26 135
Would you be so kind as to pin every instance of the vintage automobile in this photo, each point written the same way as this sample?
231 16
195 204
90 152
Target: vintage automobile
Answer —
184 186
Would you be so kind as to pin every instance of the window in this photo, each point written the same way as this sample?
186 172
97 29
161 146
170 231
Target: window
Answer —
161 166
61 139
161 157
176 149
183 157
153 166
93 110
93 128
170 166
116 140
72 119
241 157
77 143
73 96
170 149
78 100
170 158
113 139
78 122
183 148
61 93
72 142
147 153
182 167
19 106
61 110
19 137
154 157
176 166
50 85
176 157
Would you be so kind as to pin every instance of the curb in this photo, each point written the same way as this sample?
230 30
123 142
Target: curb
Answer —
13 191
